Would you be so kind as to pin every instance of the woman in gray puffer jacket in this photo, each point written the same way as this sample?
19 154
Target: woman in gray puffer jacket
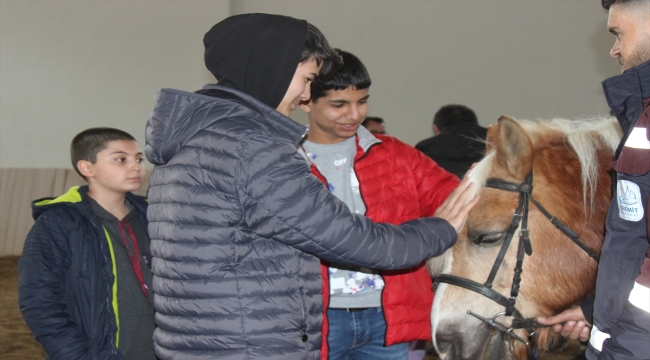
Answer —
237 222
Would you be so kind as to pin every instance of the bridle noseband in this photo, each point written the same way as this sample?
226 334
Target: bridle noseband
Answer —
525 190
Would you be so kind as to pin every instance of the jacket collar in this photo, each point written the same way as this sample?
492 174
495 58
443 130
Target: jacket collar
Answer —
77 196
625 93
285 126
179 115
366 139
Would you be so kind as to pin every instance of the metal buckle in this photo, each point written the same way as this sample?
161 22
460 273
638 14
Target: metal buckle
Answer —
498 326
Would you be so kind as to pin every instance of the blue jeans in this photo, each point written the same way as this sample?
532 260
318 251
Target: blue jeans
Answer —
360 336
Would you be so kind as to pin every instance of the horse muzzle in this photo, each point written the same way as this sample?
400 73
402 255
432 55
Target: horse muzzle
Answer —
460 342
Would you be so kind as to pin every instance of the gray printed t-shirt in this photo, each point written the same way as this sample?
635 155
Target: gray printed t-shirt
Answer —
350 287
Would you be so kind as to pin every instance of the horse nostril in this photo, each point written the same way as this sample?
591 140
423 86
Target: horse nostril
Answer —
443 346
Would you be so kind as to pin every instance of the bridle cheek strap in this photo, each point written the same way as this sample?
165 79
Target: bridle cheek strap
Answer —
525 190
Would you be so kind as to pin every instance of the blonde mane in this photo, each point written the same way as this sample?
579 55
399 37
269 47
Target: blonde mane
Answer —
584 136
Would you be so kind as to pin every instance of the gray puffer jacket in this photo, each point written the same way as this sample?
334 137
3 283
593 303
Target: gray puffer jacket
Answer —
237 224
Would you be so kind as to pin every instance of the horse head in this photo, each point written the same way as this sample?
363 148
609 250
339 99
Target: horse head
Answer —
533 171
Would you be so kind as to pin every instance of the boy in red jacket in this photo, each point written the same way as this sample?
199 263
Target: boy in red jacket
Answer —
370 313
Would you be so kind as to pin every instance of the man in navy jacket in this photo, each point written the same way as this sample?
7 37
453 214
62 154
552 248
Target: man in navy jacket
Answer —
621 307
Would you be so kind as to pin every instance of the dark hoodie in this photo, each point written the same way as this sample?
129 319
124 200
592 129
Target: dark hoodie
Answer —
256 54
237 221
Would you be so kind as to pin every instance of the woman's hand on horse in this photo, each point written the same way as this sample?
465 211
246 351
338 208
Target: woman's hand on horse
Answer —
457 205
569 323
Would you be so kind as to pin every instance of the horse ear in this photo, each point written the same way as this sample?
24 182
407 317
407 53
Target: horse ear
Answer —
514 149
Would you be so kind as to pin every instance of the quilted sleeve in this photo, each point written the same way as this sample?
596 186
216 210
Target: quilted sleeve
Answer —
41 270
283 201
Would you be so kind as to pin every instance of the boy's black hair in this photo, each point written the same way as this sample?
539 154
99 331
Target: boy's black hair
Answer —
88 143
368 119
352 73
450 115
318 48
608 3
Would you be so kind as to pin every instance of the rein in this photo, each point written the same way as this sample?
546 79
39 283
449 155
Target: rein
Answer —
525 190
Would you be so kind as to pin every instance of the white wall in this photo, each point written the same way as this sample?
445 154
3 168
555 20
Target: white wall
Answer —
524 58
69 65
66 65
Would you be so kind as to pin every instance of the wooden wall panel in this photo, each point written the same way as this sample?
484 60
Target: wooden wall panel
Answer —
18 188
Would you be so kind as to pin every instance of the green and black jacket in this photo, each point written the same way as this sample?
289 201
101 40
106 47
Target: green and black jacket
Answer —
67 278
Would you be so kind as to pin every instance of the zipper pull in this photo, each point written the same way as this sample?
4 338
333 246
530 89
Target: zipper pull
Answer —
303 330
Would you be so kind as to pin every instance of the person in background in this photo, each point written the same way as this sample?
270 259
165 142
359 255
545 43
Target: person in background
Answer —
620 308
237 221
84 275
375 125
370 314
458 141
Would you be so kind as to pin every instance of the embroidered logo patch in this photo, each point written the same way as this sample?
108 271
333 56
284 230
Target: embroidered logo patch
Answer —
630 206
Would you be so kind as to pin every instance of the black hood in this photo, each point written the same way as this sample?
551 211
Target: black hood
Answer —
256 54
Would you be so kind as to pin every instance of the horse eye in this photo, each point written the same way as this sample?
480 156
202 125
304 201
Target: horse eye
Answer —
487 239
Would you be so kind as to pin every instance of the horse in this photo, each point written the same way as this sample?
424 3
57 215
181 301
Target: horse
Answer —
529 247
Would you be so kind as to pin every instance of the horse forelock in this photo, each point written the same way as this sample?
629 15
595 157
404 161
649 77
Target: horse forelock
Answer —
437 265
480 173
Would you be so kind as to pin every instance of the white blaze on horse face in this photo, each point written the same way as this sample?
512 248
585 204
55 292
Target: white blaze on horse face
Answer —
438 265
458 335
455 333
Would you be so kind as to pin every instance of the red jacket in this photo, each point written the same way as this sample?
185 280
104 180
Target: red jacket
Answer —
397 183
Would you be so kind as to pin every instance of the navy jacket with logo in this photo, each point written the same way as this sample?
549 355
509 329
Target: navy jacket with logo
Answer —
626 239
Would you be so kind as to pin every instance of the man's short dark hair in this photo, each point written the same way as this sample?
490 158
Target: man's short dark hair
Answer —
352 73
368 119
88 143
450 115
608 3
318 48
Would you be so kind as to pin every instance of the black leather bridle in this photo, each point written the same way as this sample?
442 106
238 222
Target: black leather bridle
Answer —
525 190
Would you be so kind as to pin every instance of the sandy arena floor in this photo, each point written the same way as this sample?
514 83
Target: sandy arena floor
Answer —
16 341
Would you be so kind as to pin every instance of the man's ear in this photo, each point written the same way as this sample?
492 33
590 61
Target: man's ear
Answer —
85 168
305 106
436 130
